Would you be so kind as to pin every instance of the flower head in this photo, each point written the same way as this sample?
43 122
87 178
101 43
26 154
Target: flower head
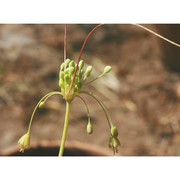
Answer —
24 141
114 141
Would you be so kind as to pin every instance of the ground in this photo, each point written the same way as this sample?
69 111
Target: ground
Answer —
141 93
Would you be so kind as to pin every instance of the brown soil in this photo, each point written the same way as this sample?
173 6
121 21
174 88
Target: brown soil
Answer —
141 94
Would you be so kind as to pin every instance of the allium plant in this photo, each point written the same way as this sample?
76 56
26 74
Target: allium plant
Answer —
73 76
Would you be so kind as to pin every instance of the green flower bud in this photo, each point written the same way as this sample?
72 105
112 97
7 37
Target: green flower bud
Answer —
114 131
61 75
67 79
72 64
62 67
89 127
81 72
66 87
24 141
107 69
88 72
61 83
66 71
81 64
41 104
67 61
71 71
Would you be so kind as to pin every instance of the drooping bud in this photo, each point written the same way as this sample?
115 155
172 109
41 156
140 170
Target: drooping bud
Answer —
114 131
89 127
114 143
107 69
24 141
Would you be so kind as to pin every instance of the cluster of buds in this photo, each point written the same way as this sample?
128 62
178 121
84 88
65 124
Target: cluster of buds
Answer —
66 78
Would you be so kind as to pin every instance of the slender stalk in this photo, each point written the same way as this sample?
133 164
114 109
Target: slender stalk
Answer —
80 54
95 78
44 98
108 117
66 123
84 104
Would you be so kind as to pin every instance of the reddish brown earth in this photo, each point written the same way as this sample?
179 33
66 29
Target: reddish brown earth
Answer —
142 95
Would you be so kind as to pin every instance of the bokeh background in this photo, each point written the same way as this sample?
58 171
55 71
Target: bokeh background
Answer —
142 92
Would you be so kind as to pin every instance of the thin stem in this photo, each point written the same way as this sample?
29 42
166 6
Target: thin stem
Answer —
65 42
158 35
66 123
80 54
44 98
95 78
108 117
85 104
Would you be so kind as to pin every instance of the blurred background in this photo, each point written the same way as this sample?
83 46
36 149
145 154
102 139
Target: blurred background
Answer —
142 92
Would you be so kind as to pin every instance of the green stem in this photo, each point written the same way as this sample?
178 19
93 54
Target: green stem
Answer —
95 78
108 117
66 123
85 105
44 98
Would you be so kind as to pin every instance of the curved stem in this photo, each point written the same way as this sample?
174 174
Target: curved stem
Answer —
44 98
85 104
108 117
80 54
66 123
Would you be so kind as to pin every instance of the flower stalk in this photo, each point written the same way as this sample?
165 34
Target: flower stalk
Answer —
66 123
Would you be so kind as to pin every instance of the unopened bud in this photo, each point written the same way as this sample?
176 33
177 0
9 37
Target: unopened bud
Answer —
61 75
87 72
114 131
71 71
61 83
67 79
107 69
81 64
72 64
67 61
89 128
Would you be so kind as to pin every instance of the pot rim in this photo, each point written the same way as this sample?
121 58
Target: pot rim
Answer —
91 148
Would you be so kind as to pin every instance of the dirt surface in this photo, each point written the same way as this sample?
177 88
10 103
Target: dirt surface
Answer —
141 94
